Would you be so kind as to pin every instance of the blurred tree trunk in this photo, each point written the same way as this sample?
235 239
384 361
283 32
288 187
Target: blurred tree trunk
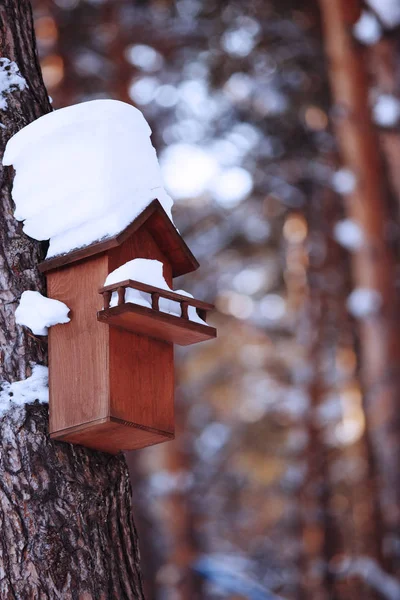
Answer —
374 265
339 516
65 512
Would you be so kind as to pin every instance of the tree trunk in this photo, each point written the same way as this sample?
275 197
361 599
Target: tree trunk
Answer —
374 265
65 512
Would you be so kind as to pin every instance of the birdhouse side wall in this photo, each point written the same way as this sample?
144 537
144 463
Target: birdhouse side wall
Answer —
79 350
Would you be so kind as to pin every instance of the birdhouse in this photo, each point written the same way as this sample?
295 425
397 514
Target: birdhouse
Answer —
111 367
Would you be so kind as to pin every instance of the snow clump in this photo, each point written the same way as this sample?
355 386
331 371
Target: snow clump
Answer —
84 173
386 111
26 391
38 312
364 302
367 30
349 234
10 80
150 272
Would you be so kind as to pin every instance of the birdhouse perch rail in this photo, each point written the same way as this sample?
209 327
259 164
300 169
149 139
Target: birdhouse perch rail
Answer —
155 293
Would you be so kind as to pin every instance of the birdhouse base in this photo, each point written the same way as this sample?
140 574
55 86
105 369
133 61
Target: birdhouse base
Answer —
155 324
112 435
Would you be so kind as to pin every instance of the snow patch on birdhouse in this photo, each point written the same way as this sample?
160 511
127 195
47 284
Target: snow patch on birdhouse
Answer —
38 312
367 30
364 302
344 181
387 10
139 269
349 234
28 390
84 173
150 272
386 110
10 80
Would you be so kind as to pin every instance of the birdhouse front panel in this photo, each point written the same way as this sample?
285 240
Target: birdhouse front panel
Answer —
139 245
141 380
146 396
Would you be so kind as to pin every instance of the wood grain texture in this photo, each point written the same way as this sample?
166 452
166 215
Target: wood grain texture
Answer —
141 369
110 435
78 357
141 380
157 325
155 220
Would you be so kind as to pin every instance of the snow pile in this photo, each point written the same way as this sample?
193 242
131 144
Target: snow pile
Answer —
150 272
387 10
26 391
10 80
367 30
349 234
364 302
344 181
386 111
139 269
83 173
38 312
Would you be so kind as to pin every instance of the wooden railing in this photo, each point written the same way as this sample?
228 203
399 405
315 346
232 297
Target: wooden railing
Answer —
155 293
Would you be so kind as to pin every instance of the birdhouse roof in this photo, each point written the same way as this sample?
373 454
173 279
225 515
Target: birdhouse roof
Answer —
157 222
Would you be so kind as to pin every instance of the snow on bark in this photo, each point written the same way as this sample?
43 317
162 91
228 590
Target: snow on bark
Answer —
106 144
38 312
31 389
10 80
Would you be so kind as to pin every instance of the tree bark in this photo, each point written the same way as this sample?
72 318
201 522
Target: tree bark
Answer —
65 512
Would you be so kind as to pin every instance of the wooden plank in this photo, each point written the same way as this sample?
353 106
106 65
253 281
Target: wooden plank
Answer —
145 287
140 245
141 380
157 325
78 350
111 435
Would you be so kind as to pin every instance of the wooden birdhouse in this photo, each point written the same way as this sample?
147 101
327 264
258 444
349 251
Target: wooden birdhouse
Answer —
111 367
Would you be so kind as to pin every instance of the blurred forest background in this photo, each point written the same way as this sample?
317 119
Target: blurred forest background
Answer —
277 126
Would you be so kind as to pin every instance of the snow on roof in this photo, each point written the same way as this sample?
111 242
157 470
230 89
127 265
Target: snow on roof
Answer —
84 173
